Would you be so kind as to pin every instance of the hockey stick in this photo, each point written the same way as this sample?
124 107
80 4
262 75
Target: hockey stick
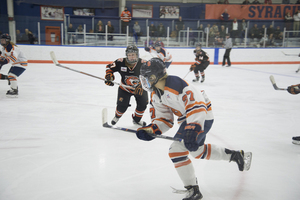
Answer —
290 54
186 75
53 57
272 79
106 125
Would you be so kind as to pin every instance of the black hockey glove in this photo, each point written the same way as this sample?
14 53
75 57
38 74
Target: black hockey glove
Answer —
294 89
142 133
192 67
109 78
138 90
191 132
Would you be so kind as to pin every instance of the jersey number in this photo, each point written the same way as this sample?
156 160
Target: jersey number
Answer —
189 94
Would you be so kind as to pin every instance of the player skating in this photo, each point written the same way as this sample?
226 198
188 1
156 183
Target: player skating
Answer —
294 89
161 53
11 53
173 96
202 62
129 69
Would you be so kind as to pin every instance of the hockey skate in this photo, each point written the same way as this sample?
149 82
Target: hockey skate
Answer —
140 123
203 79
193 193
196 79
114 120
242 159
12 92
296 140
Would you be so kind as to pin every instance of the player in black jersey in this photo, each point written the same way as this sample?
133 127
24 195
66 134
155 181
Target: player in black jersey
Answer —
129 69
202 61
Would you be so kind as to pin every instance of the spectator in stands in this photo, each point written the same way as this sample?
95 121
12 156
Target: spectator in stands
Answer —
125 19
297 2
201 28
270 33
161 31
136 31
18 36
110 29
268 1
150 43
262 31
296 22
254 32
152 30
285 1
179 25
28 37
225 18
206 30
255 2
278 34
71 35
226 2
79 33
222 32
288 19
243 27
246 2
99 27
234 28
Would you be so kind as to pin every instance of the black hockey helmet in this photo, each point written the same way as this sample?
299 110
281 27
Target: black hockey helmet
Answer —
151 72
157 44
132 49
7 39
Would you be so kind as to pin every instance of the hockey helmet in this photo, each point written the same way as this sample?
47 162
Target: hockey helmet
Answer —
198 47
157 46
132 49
151 72
5 39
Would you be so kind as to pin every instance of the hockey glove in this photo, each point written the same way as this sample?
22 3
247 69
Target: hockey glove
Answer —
294 89
109 78
192 67
147 49
142 133
138 90
191 132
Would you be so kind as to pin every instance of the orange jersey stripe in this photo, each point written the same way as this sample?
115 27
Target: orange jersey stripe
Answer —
178 154
183 163
165 122
171 90
201 153
208 151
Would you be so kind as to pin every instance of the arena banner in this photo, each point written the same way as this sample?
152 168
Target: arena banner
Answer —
260 11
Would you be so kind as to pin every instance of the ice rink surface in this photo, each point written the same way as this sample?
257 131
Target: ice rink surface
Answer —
53 145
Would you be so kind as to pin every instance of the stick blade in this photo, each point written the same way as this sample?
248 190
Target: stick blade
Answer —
104 117
53 57
272 79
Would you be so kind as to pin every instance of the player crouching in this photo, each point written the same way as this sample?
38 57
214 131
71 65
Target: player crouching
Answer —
202 62
171 96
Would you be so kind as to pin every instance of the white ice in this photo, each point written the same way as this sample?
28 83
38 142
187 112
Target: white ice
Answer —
53 145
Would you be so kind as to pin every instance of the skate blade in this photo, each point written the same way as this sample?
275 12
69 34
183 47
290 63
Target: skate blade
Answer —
248 160
296 142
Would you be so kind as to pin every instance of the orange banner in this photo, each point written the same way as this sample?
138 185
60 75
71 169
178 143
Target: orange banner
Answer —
261 11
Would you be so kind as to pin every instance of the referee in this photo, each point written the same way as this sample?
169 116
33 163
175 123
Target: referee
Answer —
227 45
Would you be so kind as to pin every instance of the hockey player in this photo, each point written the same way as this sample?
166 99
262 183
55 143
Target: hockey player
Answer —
11 53
294 89
129 69
171 96
161 53
202 62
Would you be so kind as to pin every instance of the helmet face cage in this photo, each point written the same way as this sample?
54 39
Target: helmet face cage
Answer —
132 49
151 72
157 46
5 37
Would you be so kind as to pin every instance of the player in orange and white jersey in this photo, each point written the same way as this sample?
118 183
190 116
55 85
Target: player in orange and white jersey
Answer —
12 54
161 53
170 96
